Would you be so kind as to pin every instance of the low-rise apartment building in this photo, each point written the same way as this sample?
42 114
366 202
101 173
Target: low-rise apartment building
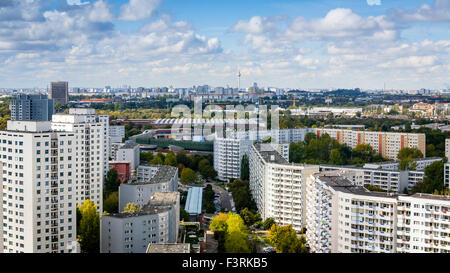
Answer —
156 223
151 178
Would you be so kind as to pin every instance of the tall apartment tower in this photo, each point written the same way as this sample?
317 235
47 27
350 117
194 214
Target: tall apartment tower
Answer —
91 151
38 188
32 107
277 186
59 92
447 148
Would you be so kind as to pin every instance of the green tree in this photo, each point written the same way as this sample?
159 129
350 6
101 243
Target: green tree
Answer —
112 182
268 223
111 203
157 161
285 240
249 217
188 176
245 173
170 159
433 180
131 207
335 157
411 153
89 230
236 239
184 215
219 223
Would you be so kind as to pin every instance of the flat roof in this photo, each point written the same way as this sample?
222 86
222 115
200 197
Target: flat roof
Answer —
159 202
269 154
194 200
163 174
168 248
342 184
129 145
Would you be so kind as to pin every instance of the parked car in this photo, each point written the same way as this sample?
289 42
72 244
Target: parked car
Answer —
269 250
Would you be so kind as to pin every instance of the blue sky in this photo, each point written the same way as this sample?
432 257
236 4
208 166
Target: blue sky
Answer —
284 43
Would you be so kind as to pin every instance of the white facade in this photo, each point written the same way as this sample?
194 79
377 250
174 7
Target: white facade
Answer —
156 223
447 148
392 180
91 151
116 133
150 179
228 153
278 186
290 135
38 188
129 152
342 217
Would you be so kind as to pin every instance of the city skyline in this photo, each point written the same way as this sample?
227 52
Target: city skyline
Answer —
297 44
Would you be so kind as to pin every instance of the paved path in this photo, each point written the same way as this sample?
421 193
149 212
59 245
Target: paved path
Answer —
225 196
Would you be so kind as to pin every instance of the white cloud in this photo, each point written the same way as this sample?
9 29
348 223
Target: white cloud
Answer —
374 2
439 11
76 2
139 10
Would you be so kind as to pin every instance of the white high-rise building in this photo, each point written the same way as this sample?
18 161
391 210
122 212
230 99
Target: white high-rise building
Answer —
38 188
116 134
228 153
343 217
447 148
277 186
90 152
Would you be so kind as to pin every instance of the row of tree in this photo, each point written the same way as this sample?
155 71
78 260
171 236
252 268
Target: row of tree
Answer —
187 165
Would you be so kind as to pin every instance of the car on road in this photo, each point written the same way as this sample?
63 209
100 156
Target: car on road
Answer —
269 250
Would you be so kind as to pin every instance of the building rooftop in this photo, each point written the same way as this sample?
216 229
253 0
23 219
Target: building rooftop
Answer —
129 145
269 154
432 196
163 174
168 248
159 202
194 200
342 184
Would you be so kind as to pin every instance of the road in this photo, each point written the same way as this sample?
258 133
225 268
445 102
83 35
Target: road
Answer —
225 196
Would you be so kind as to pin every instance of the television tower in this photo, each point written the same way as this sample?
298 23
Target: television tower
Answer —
239 80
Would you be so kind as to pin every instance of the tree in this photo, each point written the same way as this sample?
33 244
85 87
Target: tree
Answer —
268 223
112 182
335 157
433 180
111 203
364 152
249 217
170 159
157 161
219 223
245 174
184 215
131 207
146 156
285 240
202 164
236 239
188 176
411 153
89 230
